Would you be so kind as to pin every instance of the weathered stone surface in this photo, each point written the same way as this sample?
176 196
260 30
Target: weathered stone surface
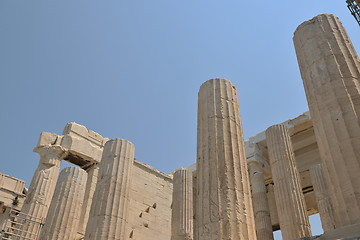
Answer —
47 139
150 201
109 208
63 217
42 185
329 68
92 177
224 207
272 205
11 195
322 197
182 206
263 224
290 202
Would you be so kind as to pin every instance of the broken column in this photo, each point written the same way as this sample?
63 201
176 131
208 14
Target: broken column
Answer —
322 197
109 208
330 69
294 222
63 218
42 186
182 206
263 224
224 208
92 177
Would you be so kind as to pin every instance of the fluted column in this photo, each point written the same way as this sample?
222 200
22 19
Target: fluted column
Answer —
294 222
182 206
63 217
92 177
322 197
42 185
224 208
272 203
330 70
109 208
263 224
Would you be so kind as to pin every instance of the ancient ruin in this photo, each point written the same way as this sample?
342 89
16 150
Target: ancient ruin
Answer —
236 190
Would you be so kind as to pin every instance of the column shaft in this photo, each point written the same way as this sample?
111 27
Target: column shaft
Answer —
224 208
42 186
330 70
263 224
322 197
182 206
294 222
92 177
63 217
109 208
272 203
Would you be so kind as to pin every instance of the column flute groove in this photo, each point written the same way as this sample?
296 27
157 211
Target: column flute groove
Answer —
330 67
223 201
290 201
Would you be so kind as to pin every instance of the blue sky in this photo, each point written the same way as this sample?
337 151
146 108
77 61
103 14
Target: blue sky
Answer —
132 69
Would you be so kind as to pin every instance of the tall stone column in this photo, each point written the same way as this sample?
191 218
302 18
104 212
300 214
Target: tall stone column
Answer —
92 177
263 224
294 222
224 208
272 203
322 197
109 208
63 218
330 70
182 206
42 185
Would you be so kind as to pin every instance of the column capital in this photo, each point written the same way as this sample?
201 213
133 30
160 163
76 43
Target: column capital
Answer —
254 154
257 159
47 151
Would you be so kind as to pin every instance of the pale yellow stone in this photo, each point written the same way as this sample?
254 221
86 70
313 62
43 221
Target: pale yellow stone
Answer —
42 185
263 224
322 197
109 208
330 69
223 208
92 177
63 217
294 222
182 206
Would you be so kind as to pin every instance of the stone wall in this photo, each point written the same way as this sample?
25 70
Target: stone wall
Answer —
150 204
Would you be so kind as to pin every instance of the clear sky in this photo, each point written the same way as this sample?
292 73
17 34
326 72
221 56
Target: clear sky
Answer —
132 69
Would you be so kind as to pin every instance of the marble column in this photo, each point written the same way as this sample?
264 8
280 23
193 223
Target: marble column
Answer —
263 224
63 217
42 186
322 197
182 206
109 208
330 69
92 177
224 207
294 222
272 203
